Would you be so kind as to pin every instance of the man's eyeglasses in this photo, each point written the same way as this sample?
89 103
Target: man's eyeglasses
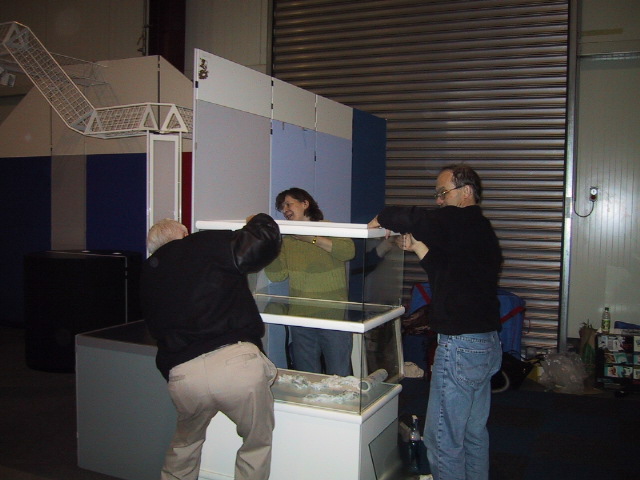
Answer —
441 195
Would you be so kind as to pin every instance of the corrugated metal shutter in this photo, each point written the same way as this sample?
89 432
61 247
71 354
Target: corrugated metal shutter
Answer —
481 82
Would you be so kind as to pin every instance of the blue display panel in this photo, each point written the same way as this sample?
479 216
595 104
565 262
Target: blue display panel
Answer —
25 192
117 202
368 166
292 160
333 177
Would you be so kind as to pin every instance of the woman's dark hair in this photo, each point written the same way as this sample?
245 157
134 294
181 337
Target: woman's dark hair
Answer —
464 175
312 211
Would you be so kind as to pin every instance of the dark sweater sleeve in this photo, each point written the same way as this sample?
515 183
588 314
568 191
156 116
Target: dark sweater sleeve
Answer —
422 223
398 219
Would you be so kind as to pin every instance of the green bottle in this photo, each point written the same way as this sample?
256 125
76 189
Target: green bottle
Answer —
605 326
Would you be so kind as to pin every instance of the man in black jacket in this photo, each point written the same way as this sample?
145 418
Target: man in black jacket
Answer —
459 250
198 306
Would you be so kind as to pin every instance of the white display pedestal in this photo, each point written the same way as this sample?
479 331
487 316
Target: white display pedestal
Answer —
316 444
126 420
329 436
324 431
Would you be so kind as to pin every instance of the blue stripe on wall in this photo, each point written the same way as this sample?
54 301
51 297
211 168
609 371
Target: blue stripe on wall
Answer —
368 168
25 195
116 202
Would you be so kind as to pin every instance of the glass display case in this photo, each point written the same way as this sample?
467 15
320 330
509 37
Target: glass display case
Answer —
368 312
374 273
352 416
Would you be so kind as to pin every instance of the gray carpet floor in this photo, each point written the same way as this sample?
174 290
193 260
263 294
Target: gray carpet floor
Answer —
541 435
38 419
534 434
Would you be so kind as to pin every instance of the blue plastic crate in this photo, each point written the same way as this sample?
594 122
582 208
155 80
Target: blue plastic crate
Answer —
512 309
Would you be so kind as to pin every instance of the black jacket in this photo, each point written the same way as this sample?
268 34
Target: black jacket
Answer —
194 291
463 264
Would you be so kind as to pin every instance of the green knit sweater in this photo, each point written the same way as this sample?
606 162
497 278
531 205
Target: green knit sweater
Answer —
313 272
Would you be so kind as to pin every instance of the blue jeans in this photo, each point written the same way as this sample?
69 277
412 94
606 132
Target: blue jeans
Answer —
456 434
309 344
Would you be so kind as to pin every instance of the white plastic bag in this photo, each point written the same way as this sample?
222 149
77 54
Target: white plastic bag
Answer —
563 372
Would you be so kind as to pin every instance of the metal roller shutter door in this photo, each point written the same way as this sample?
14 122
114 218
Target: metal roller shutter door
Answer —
481 82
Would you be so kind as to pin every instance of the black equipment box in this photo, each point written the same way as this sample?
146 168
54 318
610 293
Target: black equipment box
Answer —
67 292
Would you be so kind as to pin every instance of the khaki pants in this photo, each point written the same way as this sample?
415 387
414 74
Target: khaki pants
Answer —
236 381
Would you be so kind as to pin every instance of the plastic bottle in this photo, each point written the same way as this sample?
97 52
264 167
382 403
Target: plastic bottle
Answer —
605 326
414 445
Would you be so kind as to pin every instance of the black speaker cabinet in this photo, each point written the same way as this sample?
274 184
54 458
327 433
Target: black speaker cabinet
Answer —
67 292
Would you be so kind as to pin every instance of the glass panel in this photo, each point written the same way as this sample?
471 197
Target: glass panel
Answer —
384 350
376 365
374 267
337 316
375 274
332 311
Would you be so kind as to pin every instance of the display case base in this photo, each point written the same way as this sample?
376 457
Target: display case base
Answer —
316 444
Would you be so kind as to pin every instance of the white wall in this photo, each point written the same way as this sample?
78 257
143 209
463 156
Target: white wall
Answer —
605 242
112 29
87 30
608 27
236 31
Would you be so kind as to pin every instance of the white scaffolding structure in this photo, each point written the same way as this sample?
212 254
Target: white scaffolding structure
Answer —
20 50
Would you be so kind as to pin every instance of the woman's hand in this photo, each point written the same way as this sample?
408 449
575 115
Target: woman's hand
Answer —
325 243
306 238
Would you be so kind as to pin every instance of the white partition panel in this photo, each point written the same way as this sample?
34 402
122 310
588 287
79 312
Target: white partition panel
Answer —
334 118
240 165
164 178
231 85
294 105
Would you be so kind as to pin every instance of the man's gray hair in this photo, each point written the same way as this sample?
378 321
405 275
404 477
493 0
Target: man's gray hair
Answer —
164 232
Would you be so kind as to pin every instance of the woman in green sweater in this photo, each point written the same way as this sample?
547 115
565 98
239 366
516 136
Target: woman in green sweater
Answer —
316 268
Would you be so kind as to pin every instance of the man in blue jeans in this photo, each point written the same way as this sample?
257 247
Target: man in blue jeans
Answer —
459 250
